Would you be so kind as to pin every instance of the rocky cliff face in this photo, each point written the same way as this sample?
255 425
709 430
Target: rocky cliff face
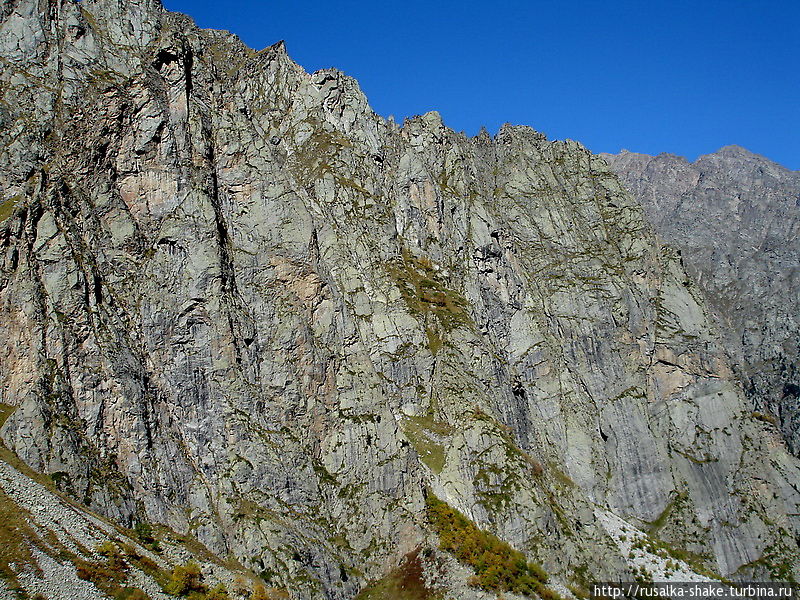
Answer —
736 217
239 303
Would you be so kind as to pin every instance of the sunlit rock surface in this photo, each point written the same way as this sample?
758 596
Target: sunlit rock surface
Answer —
239 303
735 216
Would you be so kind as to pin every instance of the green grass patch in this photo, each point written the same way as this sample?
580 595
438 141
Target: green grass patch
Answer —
697 562
514 452
146 565
426 295
7 208
262 593
428 438
5 412
105 575
186 581
765 418
314 158
130 593
16 539
777 560
109 573
661 520
559 475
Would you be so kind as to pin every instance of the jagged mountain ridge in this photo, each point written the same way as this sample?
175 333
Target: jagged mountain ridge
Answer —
241 304
736 217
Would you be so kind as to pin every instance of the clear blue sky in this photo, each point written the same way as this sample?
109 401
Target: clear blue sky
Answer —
681 76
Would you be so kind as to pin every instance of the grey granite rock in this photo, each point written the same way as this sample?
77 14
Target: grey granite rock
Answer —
735 216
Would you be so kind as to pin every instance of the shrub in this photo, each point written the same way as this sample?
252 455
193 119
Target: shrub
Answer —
148 565
548 594
106 574
113 556
144 533
218 592
98 573
185 579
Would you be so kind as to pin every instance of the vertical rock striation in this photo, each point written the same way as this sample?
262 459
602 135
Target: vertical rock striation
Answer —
239 303
736 217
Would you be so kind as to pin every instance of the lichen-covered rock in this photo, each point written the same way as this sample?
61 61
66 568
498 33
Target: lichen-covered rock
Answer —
241 304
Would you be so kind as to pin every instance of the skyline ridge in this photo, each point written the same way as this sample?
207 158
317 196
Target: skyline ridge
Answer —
612 77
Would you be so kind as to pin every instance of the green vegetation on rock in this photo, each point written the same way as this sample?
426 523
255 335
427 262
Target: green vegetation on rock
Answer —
186 580
665 550
109 573
427 436
426 295
318 152
145 536
498 567
131 593
5 412
7 208
16 539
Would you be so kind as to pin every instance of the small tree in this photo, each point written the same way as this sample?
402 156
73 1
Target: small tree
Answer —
111 553
185 579
144 533
218 592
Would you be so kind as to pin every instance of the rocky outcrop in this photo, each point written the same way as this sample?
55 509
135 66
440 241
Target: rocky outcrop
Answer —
241 304
736 218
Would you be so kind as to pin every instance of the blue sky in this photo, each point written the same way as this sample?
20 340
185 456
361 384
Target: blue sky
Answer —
679 76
